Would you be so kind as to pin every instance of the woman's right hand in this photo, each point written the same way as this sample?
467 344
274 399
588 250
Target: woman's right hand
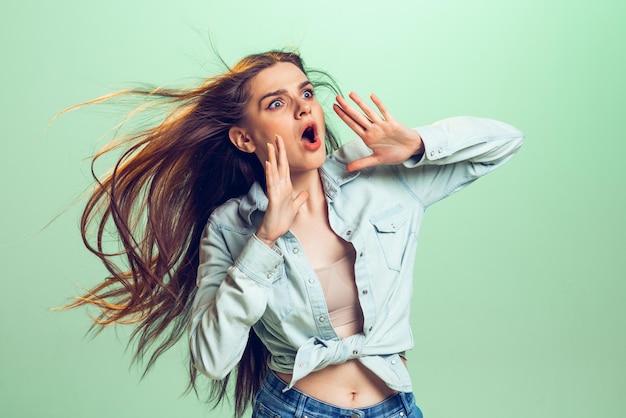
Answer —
283 206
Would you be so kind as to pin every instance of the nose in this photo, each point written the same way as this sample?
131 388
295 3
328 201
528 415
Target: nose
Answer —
303 109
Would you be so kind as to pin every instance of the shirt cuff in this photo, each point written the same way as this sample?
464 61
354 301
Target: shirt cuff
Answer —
435 146
260 262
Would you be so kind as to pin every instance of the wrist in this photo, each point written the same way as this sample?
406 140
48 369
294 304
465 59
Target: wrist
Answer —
416 144
264 238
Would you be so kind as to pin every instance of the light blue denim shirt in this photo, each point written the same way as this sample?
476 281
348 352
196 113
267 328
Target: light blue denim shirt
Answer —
242 283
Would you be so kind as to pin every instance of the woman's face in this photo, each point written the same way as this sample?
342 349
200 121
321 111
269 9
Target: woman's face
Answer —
282 102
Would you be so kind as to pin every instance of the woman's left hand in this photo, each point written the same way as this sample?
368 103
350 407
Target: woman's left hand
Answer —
390 141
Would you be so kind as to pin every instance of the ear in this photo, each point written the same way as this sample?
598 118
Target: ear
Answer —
239 137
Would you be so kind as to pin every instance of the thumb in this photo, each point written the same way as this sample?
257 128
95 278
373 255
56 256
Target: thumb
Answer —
300 199
362 163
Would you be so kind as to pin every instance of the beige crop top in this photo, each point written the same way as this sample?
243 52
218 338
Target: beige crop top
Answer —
341 295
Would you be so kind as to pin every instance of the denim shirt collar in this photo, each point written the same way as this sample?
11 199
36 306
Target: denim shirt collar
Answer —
256 199
334 175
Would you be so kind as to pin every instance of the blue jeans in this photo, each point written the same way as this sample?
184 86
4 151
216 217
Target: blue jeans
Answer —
271 402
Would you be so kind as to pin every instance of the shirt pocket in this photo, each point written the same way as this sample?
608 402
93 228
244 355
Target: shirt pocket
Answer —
391 228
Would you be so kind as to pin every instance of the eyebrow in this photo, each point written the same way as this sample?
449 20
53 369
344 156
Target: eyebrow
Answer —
283 91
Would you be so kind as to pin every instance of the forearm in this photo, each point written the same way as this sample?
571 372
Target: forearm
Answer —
469 139
225 308
457 151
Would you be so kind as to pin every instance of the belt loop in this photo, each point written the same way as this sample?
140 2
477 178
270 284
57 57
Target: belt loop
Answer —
408 408
300 406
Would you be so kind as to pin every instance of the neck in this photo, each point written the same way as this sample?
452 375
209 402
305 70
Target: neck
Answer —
310 182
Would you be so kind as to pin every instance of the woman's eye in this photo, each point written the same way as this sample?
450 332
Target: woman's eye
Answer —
275 104
307 94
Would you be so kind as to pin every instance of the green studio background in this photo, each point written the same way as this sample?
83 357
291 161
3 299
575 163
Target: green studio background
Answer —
528 322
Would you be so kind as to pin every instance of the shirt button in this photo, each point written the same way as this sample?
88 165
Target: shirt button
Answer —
364 291
322 319
300 364
361 254
393 362
401 414
348 232
355 352
432 153
439 150
355 415
270 275
296 250
311 280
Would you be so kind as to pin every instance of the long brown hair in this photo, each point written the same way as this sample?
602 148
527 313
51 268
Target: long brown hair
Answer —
155 203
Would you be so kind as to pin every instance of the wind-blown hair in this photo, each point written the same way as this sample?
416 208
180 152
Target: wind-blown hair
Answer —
156 201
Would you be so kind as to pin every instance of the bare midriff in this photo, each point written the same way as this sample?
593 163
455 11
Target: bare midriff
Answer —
346 385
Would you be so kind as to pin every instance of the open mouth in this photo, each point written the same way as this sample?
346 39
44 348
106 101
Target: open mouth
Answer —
309 134
310 138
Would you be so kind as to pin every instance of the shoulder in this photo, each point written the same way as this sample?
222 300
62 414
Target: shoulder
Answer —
227 208
240 213
227 214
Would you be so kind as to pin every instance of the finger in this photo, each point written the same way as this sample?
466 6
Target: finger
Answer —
371 114
269 179
271 173
381 107
358 129
354 114
283 163
362 163
271 156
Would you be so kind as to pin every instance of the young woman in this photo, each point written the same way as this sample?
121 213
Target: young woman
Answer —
290 261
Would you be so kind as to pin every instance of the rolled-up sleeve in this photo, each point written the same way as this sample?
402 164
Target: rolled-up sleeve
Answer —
458 151
231 297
